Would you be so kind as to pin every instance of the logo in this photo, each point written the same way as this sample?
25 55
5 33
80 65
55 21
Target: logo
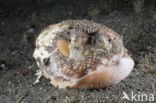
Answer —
138 96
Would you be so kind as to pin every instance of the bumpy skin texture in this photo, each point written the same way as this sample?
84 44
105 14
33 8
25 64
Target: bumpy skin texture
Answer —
81 54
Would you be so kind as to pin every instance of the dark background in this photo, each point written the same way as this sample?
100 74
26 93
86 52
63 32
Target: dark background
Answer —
22 20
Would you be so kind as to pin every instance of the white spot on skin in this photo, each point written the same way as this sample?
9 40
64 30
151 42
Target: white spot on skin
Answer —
105 61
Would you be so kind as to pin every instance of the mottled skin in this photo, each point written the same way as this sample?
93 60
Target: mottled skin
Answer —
80 54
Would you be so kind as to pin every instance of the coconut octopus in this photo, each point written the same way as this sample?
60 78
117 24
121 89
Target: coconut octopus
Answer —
81 54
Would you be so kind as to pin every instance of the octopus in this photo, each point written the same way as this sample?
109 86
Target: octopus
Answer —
81 54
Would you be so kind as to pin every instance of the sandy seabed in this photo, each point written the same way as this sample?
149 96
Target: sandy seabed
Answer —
20 25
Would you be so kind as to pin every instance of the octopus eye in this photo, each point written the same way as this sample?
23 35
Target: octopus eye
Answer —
46 61
64 48
92 37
